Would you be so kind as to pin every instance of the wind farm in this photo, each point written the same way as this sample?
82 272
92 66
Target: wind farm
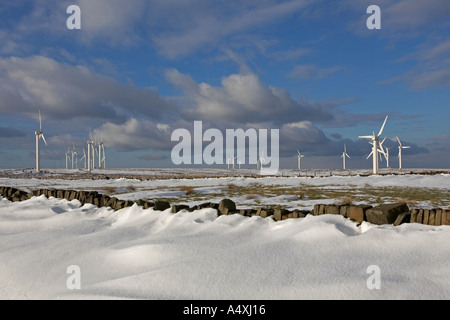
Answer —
224 150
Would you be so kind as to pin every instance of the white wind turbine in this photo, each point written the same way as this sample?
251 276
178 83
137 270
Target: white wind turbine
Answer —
385 152
299 157
89 157
400 147
261 160
74 153
375 146
84 158
67 158
104 157
100 152
344 155
39 134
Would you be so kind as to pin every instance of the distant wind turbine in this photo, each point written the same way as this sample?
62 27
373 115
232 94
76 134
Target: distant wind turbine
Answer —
299 157
385 152
400 147
261 160
104 157
89 157
84 158
67 158
74 153
375 146
344 155
39 134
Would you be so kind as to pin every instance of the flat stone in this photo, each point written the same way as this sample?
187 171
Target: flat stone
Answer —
161 205
331 209
386 214
226 204
358 213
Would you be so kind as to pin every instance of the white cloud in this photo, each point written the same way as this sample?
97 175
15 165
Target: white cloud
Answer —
242 98
135 135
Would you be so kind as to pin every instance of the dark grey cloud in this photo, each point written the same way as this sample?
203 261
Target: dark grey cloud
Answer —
63 91
10 132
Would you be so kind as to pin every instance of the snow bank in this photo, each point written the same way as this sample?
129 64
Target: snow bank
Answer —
145 254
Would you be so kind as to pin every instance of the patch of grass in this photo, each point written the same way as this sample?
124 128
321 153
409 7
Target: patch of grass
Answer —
346 201
188 189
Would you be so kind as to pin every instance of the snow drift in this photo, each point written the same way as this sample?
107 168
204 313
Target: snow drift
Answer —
146 254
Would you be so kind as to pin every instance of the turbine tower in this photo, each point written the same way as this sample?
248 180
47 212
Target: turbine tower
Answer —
74 153
100 144
39 134
400 147
299 157
84 157
89 158
344 155
67 158
104 156
375 146
261 160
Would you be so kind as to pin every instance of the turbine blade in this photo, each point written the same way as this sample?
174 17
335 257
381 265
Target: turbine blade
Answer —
384 123
43 138
40 121
399 141
365 137
369 154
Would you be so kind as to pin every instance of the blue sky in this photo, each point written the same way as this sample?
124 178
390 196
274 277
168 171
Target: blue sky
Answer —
137 70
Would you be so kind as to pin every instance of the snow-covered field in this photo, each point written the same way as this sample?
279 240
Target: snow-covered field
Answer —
145 254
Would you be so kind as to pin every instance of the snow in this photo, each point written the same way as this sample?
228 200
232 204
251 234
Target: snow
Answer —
145 254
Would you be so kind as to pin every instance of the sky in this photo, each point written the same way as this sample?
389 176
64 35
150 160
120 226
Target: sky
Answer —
138 70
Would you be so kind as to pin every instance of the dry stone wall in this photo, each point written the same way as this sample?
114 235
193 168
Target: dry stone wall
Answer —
394 213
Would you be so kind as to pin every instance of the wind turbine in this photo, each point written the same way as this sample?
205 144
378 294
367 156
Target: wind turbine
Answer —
84 157
39 134
344 155
299 157
89 158
67 158
261 160
400 147
104 157
385 152
375 146
74 153
233 161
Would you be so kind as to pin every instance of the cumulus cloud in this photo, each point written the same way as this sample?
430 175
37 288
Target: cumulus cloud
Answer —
135 135
63 91
242 98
